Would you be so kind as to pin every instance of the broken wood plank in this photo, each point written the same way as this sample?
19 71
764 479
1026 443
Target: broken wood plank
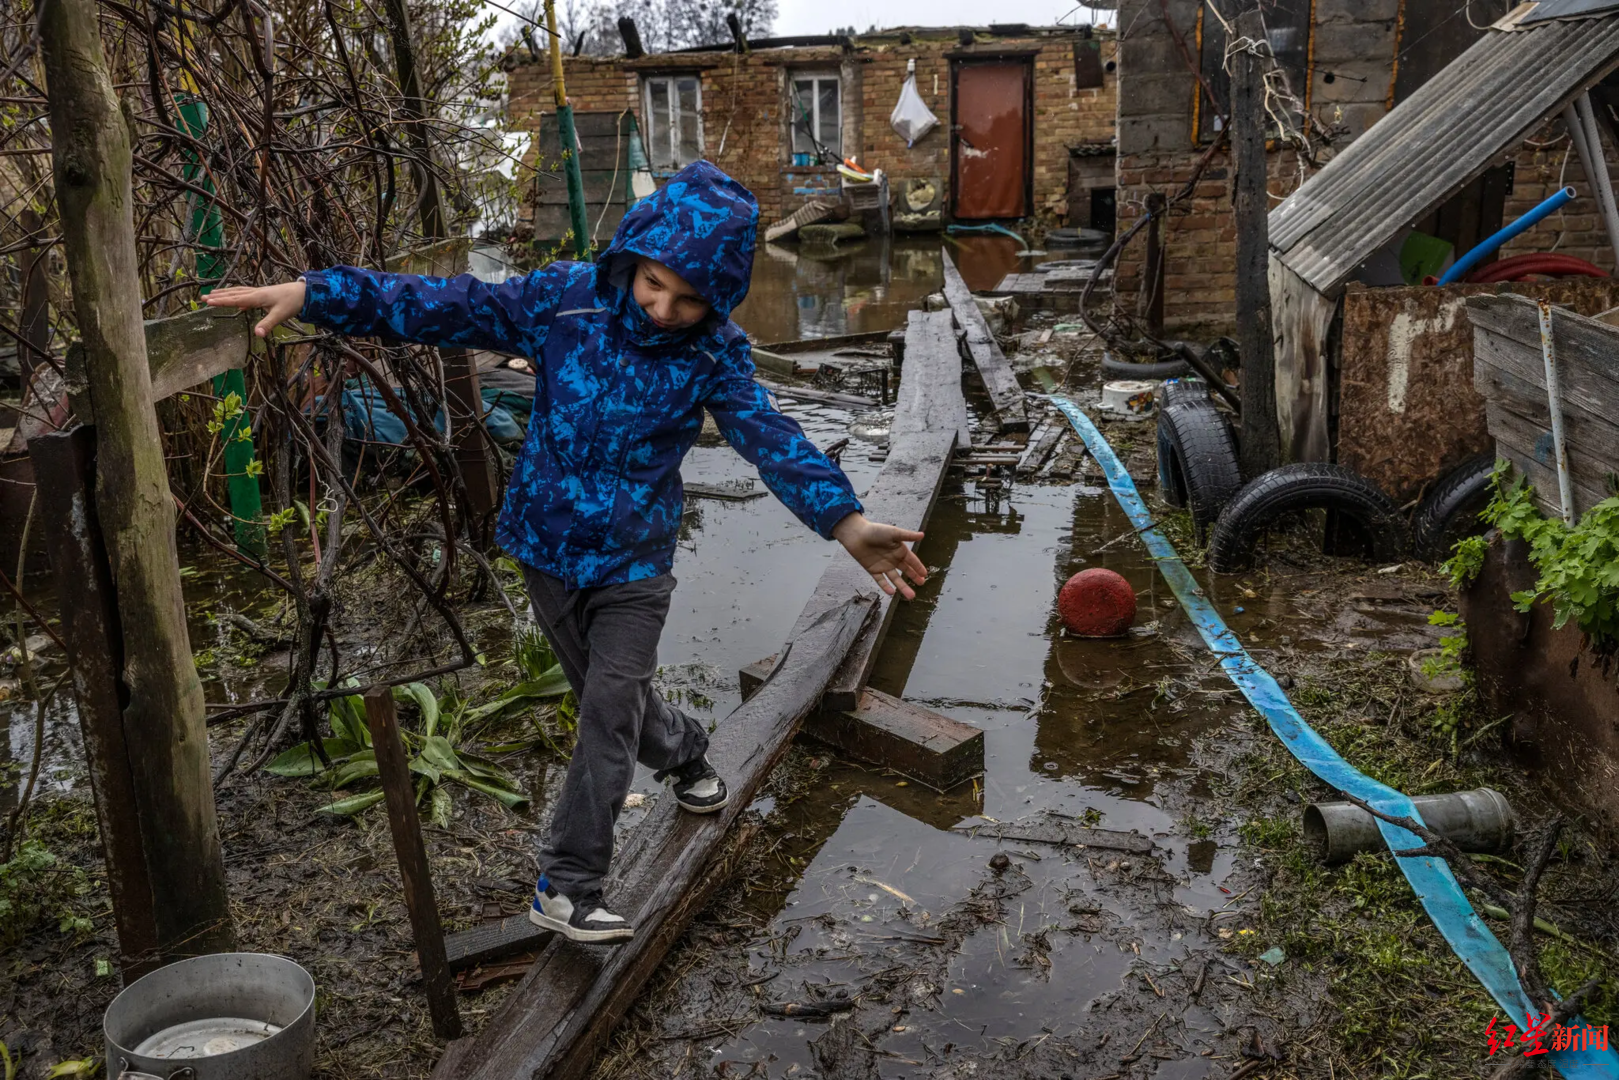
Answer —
929 747
188 350
393 768
727 491
766 360
935 750
1049 831
1041 443
1004 391
491 941
806 393
830 342
553 1022
930 420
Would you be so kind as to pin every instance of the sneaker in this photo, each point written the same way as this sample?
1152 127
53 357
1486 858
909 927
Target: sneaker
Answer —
697 786
586 919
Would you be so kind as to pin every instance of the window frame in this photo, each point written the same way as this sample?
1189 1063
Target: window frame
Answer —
671 80
816 77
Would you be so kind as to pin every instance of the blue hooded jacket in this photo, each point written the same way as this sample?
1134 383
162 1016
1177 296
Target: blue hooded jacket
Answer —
595 496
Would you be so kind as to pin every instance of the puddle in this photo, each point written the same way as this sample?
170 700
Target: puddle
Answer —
805 291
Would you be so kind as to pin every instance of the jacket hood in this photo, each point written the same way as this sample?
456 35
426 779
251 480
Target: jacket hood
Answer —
702 225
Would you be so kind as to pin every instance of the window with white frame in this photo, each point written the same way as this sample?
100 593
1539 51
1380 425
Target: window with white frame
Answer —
817 114
674 120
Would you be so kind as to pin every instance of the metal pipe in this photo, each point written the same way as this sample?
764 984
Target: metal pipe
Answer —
1485 248
1478 820
1554 402
570 142
1596 169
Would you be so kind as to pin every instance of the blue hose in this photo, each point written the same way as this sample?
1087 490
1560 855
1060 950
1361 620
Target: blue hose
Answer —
1430 878
1483 250
991 228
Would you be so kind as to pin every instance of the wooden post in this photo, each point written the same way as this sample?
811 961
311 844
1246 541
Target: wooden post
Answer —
394 770
166 739
460 373
1261 445
64 474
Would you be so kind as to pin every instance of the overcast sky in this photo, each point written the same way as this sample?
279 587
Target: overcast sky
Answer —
823 16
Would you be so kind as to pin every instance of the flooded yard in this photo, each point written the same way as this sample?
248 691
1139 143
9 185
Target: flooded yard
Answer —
876 928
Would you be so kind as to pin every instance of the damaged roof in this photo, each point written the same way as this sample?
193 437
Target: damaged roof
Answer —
1437 141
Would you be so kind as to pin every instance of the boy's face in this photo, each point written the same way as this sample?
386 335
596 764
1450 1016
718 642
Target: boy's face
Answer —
670 302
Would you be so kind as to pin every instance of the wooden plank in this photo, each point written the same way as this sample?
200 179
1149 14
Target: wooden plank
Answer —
1010 411
936 750
491 941
929 747
808 393
1048 830
930 420
739 490
1041 443
553 1022
1581 342
834 341
189 350
399 790
1529 447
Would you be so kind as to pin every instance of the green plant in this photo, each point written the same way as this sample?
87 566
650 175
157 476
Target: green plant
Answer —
1451 646
1466 560
1578 567
33 888
434 754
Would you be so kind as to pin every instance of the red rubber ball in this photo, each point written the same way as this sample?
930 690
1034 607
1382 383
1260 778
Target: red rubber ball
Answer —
1097 603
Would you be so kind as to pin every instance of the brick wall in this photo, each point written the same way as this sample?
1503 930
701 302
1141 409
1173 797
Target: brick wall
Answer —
1351 88
745 108
1354 44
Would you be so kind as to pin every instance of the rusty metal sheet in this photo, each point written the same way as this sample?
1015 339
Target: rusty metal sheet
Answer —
1407 409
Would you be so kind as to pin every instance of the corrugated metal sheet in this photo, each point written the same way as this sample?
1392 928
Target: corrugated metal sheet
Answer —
1567 9
1435 142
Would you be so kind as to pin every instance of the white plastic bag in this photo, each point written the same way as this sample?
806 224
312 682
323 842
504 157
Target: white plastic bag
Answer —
911 118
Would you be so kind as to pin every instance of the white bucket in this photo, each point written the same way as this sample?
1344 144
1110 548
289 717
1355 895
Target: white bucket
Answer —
1129 399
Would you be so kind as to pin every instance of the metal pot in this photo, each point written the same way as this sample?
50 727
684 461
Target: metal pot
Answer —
227 1016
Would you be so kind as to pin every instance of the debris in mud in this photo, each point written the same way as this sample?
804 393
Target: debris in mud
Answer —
1047 830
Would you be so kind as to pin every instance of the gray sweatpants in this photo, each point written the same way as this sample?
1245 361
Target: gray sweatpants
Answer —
606 639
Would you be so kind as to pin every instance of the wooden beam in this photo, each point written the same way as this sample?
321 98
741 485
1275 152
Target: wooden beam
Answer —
556 1018
935 750
1010 411
393 769
189 350
1261 443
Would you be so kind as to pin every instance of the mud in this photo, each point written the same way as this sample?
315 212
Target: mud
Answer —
871 931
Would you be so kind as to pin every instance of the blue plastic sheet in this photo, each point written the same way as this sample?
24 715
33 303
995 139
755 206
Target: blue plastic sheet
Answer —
1436 887
367 418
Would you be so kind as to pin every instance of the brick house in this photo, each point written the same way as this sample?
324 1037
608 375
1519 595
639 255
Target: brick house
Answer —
1349 62
766 114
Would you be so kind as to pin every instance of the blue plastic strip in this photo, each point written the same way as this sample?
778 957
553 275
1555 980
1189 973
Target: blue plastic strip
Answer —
1431 878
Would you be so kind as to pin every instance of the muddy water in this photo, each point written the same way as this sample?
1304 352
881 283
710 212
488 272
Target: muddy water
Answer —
804 291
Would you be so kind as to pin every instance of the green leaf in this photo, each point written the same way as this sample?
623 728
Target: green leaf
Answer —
359 769
479 765
302 760
425 701
424 768
348 719
83 1069
352 805
549 685
437 751
512 800
439 813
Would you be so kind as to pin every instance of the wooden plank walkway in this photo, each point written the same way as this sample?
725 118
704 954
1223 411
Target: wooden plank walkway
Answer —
1010 410
551 1025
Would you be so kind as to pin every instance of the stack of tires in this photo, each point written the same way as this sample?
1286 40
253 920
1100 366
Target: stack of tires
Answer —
1198 469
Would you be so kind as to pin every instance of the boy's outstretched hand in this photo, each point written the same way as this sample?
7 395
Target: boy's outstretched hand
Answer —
882 550
280 302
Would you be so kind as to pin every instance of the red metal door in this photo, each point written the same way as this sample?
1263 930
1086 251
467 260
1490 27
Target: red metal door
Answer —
990 141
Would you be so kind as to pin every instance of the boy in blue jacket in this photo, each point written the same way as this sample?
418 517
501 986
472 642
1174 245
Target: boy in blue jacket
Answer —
629 351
